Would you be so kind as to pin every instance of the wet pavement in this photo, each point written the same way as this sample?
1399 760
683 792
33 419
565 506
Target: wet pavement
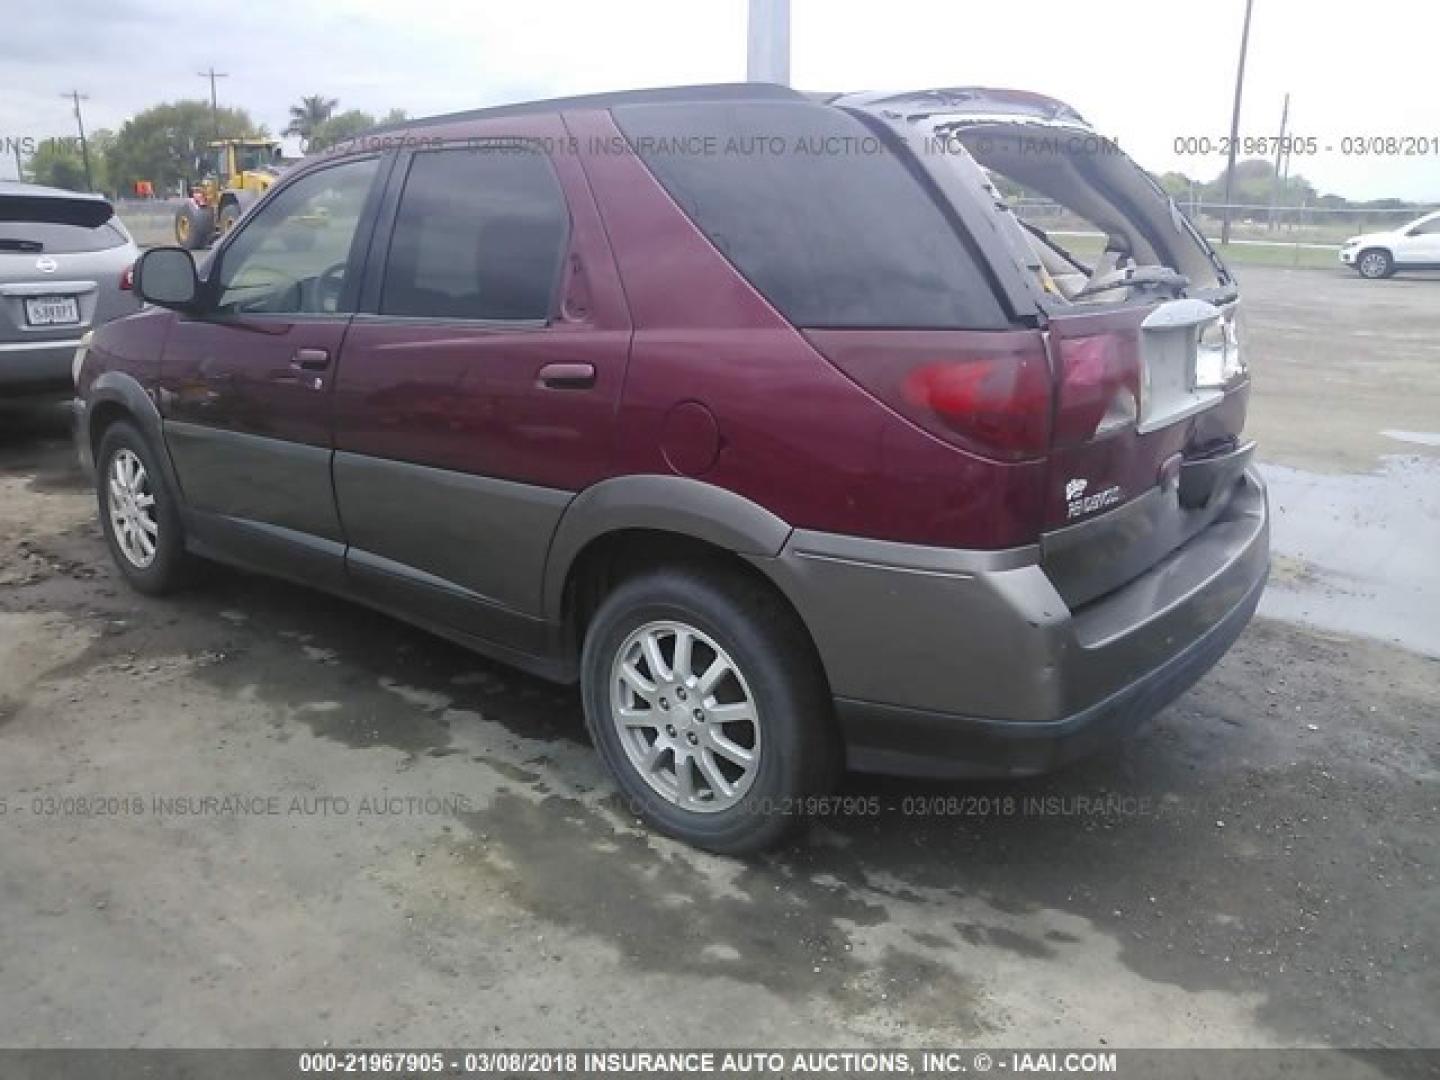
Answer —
1359 554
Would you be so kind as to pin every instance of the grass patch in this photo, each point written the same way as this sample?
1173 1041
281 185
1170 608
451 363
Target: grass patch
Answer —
1280 255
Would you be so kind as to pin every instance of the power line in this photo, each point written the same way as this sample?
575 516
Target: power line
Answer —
212 75
76 97
1235 124
1282 159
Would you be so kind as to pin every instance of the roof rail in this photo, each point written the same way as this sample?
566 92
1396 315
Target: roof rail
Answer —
667 94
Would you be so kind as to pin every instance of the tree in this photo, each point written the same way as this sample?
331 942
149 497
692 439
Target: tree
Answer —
341 128
101 142
167 144
312 112
1177 185
57 163
1255 186
394 116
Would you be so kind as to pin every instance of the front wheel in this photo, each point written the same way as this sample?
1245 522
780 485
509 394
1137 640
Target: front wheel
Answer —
139 513
1375 264
705 699
193 226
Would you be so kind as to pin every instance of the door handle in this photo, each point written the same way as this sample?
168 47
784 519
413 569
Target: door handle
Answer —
311 359
567 376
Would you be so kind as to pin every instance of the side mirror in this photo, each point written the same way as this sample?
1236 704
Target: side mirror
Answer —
166 276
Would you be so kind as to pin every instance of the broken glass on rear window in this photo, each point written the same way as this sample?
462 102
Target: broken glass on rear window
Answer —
1089 223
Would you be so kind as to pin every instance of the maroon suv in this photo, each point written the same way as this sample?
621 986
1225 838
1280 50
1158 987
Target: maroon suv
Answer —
765 417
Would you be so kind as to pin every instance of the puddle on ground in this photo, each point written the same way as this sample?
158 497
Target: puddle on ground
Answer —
1364 550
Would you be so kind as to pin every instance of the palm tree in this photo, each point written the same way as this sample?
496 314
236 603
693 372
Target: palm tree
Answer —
309 115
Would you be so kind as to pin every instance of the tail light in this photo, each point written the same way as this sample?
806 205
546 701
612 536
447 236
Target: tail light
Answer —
989 393
1099 390
127 278
1220 359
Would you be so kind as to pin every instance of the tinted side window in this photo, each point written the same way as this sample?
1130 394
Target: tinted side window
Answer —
480 234
291 258
816 212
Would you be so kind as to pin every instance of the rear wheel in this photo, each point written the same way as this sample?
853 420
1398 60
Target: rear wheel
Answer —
704 698
138 513
1375 263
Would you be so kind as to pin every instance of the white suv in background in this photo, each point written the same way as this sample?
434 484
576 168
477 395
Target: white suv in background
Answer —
1411 247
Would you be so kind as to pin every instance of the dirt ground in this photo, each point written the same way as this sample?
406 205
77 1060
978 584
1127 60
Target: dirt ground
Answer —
252 815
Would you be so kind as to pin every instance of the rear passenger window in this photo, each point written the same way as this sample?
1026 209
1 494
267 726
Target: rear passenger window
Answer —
820 215
480 234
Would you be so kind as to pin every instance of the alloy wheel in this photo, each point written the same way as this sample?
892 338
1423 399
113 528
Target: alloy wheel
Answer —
685 716
131 505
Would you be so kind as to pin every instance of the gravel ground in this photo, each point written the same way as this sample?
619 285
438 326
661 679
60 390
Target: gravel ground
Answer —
253 815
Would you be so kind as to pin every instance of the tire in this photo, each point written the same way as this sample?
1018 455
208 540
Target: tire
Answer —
229 215
194 226
1375 263
730 620
123 451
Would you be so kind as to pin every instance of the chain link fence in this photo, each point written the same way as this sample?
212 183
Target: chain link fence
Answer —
150 221
1286 235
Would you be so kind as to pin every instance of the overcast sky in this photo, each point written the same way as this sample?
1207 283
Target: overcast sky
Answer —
1144 71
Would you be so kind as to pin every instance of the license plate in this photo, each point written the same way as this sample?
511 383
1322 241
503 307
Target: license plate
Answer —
51 310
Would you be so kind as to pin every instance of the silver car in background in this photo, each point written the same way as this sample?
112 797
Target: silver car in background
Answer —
65 263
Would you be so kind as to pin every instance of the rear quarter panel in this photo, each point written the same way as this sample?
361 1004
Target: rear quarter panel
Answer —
792 433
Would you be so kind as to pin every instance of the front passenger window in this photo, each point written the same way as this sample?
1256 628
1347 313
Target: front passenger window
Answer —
291 258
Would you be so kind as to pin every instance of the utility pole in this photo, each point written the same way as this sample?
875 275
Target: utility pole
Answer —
212 75
1277 184
768 57
77 97
1235 124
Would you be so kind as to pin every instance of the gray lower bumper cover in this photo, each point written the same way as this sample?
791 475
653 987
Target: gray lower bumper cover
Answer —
950 663
34 367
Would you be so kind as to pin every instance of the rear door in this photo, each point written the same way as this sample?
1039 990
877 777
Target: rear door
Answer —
478 386
246 387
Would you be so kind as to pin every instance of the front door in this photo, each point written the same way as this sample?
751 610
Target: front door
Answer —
246 386
478 385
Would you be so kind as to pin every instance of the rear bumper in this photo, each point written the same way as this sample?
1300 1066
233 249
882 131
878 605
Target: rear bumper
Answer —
36 367
911 742
951 663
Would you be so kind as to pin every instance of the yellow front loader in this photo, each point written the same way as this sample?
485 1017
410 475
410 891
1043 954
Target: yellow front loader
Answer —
236 172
